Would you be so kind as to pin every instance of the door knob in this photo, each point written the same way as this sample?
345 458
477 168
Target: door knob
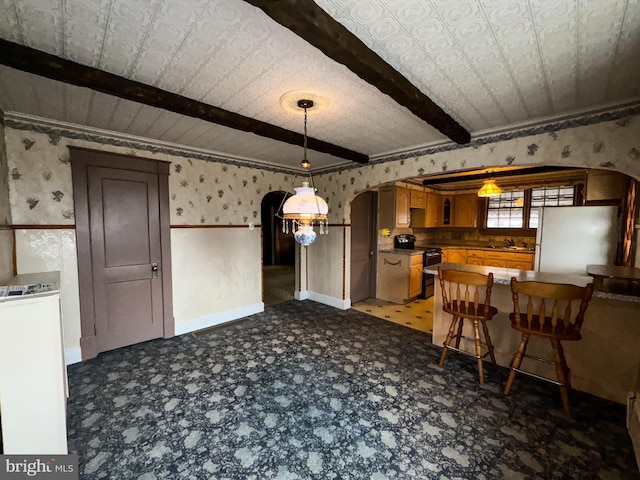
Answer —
154 270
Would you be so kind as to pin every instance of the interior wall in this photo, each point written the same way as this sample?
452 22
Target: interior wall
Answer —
327 261
607 141
6 233
215 215
209 270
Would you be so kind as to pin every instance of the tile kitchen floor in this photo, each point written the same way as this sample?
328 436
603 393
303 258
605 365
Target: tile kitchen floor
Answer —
417 314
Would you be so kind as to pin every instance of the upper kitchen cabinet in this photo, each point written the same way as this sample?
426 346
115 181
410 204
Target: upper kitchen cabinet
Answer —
393 207
418 199
432 214
466 210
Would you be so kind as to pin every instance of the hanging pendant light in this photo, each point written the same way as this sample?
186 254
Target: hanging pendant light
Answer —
302 210
489 189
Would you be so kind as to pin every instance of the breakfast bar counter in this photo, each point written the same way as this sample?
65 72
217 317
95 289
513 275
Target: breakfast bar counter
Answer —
604 363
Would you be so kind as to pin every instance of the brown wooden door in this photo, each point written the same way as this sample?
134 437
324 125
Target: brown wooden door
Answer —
125 246
363 231
122 229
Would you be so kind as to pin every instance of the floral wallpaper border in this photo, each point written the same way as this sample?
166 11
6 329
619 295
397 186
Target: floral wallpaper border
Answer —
585 120
56 133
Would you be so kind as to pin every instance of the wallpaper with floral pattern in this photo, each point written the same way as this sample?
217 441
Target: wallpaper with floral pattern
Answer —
613 144
5 209
206 190
201 192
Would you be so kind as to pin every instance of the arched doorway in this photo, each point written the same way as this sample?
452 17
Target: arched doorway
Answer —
278 253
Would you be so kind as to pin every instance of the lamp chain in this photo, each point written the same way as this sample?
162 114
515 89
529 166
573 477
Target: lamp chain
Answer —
304 160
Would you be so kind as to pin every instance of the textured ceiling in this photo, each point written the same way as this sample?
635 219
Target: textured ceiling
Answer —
490 64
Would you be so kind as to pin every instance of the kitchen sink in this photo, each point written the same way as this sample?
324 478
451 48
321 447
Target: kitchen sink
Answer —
513 248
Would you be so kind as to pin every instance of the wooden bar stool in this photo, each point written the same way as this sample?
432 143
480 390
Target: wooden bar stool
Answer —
461 298
545 310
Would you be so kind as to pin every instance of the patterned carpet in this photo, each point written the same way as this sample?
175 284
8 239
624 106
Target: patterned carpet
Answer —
305 391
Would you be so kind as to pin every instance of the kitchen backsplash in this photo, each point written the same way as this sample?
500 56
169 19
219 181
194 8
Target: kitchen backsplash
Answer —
473 237
452 236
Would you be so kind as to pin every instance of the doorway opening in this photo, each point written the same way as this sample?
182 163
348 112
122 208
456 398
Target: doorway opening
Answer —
278 253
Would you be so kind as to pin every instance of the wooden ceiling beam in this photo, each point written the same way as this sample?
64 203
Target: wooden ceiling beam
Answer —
484 175
46 65
314 25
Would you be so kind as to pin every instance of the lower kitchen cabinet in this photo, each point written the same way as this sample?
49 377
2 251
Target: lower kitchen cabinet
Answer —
399 277
474 257
456 255
521 261
517 260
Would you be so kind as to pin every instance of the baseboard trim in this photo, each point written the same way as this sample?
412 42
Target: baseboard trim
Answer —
72 355
218 318
301 294
331 301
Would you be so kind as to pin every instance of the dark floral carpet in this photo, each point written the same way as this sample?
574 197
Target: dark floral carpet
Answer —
305 391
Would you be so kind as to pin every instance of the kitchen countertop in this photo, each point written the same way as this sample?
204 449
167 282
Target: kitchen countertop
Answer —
502 276
497 248
422 248
404 251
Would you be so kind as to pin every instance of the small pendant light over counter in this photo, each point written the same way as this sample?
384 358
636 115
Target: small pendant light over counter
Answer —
489 189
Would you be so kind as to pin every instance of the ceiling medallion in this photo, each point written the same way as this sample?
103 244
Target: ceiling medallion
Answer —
289 101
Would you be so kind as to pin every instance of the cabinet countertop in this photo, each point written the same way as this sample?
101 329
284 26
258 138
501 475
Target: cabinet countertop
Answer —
502 276
447 246
403 251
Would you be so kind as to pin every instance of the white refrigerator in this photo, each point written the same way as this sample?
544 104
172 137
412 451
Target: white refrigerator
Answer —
570 238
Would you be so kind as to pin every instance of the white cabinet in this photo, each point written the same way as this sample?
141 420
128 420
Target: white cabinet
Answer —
33 381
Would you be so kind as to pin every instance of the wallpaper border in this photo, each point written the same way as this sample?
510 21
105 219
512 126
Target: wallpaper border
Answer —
574 122
58 132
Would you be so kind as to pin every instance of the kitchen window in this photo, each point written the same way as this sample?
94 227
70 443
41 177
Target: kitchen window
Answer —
515 212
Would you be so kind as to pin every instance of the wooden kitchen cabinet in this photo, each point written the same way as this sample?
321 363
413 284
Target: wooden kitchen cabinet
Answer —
456 255
415 276
474 257
466 210
399 277
417 199
519 260
432 212
393 207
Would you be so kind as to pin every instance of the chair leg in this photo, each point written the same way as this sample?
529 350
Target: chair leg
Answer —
562 373
487 339
459 334
517 361
476 336
447 341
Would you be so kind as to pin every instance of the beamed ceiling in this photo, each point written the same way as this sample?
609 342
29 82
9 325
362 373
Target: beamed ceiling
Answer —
399 74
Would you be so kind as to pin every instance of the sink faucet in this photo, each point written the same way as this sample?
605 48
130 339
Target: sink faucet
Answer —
510 242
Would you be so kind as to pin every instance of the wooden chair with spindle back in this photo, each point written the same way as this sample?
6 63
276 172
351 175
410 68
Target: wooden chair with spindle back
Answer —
553 311
461 297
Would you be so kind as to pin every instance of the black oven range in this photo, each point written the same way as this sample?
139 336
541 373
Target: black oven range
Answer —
431 256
